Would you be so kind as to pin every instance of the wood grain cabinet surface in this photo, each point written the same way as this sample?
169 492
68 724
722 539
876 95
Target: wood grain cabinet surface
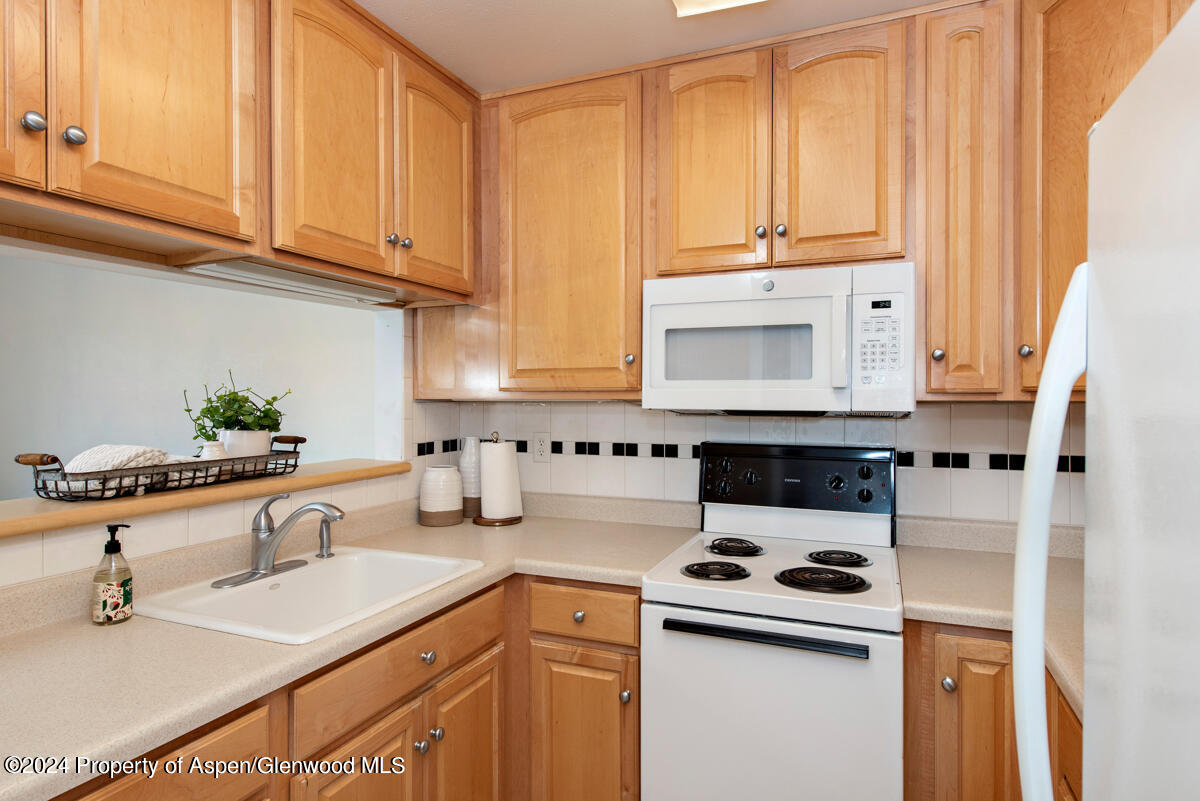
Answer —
462 721
22 89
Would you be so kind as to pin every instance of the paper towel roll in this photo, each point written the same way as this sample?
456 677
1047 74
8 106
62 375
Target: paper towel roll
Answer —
501 484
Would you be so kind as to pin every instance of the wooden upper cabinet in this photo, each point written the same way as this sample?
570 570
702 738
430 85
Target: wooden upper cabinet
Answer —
570 279
334 136
964 158
464 710
437 218
713 163
22 89
839 145
165 95
1077 56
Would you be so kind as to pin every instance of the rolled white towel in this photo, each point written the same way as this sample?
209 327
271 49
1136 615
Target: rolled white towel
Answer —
114 457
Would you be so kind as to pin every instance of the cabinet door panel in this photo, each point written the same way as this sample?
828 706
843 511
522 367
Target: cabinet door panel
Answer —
713 163
439 159
165 93
465 763
839 145
334 137
22 88
569 231
390 739
963 155
584 742
1077 57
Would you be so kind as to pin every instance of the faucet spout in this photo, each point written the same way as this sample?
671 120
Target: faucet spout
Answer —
265 539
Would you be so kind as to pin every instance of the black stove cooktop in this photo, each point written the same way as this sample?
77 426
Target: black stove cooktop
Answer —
822 579
715 571
734 546
838 558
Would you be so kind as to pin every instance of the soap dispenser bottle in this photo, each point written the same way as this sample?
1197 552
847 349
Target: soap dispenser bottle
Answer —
112 584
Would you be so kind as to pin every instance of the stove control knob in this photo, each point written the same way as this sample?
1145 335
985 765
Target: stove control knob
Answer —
752 478
865 472
837 483
865 495
724 487
725 465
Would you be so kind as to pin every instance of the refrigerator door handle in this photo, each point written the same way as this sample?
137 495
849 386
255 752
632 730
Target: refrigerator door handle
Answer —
1066 360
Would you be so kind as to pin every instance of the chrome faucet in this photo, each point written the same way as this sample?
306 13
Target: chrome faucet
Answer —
265 539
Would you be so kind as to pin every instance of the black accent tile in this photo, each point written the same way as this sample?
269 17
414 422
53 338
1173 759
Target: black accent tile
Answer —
695 451
618 449
448 446
430 448
1016 461
631 449
580 448
960 461
905 459
672 451
997 461
941 459
1064 464
593 448
657 450
1077 464
420 449
555 446
522 446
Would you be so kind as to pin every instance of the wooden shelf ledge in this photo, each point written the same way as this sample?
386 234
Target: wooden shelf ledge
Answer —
35 515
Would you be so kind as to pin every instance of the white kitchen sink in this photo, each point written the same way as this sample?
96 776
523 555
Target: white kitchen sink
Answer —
311 601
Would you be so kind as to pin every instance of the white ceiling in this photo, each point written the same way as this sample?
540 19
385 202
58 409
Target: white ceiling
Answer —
504 44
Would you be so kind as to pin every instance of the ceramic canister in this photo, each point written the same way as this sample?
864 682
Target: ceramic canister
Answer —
468 465
441 501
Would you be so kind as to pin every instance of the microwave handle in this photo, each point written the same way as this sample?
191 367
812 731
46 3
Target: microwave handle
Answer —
839 357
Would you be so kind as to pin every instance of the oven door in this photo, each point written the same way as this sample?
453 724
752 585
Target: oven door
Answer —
768 341
743 707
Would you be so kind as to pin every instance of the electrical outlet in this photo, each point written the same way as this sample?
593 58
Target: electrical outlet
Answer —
541 447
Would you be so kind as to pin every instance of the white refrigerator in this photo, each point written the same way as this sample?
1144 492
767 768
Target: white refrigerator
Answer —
1132 320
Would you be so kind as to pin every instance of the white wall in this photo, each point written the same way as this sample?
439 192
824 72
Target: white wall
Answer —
89 356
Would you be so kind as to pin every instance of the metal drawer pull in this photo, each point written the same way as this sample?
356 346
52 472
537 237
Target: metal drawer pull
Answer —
74 135
949 684
770 638
578 616
33 121
437 734
761 232
429 657
625 696
421 746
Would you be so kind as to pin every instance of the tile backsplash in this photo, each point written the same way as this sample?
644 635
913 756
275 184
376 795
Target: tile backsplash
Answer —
956 460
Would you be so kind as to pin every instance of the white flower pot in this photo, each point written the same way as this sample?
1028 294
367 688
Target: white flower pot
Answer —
213 450
245 443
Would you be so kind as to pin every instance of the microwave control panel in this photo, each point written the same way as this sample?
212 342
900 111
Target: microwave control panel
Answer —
882 353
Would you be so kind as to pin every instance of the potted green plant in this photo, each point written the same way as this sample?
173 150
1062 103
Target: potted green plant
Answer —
239 419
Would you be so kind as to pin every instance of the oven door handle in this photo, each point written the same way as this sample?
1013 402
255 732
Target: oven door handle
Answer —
834 647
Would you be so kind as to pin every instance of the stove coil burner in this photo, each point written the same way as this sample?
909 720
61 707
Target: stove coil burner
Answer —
822 580
734 546
838 558
715 571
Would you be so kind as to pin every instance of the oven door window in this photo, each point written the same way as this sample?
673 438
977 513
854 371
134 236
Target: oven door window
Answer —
740 353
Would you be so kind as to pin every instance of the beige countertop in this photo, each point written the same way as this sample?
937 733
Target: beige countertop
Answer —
74 689
974 588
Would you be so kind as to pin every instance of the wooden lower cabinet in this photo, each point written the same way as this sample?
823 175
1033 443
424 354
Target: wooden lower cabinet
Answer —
584 739
462 715
382 757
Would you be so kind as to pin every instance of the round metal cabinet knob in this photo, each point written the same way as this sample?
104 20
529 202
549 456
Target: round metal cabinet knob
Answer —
1025 351
630 358
421 746
578 616
768 285
949 684
429 657
437 734
393 239
625 696
33 121
938 354
781 229
74 135
761 232
406 242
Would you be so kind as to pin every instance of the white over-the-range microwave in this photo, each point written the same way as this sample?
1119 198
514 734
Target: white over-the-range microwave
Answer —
797 341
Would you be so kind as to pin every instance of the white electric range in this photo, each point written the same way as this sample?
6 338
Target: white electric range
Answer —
772 659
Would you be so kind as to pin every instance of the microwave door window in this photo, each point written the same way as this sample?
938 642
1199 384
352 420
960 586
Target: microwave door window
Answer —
740 353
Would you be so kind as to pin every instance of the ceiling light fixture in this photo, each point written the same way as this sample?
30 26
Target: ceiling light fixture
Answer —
689 8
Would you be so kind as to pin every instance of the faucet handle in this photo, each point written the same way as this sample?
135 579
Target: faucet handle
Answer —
263 522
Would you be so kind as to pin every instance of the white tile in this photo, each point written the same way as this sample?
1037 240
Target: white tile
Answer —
501 418
351 497
568 422
927 429
420 415
1078 500
21 559
875 432
208 523
1060 506
772 429
1019 416
923 491
681 480
644 478
302 497
470 420
383 490
979 427
568 474
73 548
1076 430
535 476
417 473
606 422
922 458
821 430
979 494
727 428
408 486
683 428
644 425
979 461
156 533
532 418
410 442
441 421
606 476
